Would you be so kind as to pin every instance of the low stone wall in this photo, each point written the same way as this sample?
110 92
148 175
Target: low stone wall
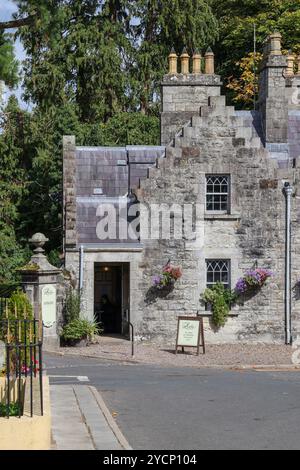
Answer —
27 433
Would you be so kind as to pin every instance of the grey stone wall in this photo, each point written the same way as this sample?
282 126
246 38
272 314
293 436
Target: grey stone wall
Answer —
182 96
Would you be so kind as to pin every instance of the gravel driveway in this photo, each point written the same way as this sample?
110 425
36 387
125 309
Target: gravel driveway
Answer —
224 354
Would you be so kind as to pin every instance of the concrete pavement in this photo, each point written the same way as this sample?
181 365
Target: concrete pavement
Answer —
80 420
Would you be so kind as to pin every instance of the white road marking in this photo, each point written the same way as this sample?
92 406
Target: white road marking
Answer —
80 378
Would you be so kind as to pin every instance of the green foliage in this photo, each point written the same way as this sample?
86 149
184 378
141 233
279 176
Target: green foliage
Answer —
12 411
8 62
236 25
245 87
79 329
107 56
54 258
12 190
159 27
20 303
220 300
76 54
73 305
18 307
124 129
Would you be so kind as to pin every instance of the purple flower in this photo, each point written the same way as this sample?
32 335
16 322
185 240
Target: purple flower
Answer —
157 280
241 286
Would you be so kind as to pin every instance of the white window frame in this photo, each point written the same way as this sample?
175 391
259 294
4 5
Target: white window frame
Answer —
207 194
212 283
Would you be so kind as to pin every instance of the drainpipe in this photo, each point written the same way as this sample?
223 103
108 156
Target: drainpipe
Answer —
81 257
288 190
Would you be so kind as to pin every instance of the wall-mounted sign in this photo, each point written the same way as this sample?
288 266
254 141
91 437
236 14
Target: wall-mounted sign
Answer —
49 305
98 191
190 332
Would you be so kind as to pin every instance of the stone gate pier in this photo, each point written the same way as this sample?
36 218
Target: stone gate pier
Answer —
42 283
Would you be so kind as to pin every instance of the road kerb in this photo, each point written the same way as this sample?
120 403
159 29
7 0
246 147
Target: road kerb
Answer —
111 422
283 367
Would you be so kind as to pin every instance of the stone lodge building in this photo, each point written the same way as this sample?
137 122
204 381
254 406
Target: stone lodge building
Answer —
234 165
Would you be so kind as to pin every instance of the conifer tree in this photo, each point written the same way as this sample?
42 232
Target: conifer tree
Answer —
8 62
75 53
161 26
12 189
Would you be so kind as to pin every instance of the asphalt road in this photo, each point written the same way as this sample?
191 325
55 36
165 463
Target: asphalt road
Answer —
187 408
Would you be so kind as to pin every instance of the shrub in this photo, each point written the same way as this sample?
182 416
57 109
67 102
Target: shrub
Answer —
80 328
18 305
13 409
73 305
220 299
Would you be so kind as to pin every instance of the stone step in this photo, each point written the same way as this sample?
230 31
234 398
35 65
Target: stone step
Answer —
225 111
190 132
197 121
218 101
182 142
172 152
244 132
255 143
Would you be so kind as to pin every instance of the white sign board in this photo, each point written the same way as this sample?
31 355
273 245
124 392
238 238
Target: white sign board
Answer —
49 305
188 332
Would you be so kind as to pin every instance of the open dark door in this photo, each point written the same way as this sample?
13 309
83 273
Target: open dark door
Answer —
111 296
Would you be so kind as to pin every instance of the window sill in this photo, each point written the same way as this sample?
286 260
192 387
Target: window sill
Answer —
215 216
208 314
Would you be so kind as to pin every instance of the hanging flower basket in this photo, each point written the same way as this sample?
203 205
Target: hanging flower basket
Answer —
252 281
221 299
168 277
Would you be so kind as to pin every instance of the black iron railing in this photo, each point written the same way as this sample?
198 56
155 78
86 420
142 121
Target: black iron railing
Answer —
23 340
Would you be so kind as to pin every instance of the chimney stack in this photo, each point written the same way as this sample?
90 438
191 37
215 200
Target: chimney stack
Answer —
185 89
273 101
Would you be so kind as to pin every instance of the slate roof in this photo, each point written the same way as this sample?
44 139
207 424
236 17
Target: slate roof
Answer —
104 174
294 134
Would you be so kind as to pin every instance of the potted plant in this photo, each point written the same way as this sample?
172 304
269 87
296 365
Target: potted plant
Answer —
79 332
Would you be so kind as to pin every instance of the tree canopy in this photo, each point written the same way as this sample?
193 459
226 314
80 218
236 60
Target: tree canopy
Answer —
236 29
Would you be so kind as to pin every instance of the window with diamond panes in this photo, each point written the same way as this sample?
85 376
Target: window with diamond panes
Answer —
218 270
217 193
